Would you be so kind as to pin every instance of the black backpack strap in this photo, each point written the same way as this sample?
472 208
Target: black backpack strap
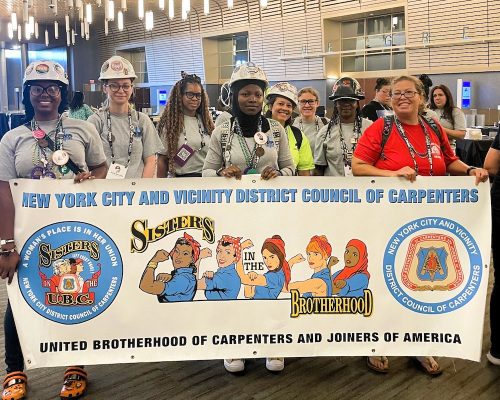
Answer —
324 120
388 122
432 123
297 133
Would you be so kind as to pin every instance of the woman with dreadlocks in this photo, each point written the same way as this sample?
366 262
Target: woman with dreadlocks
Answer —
337 140
185 128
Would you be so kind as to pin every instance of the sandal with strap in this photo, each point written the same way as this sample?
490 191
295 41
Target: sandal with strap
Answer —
14 386
75 383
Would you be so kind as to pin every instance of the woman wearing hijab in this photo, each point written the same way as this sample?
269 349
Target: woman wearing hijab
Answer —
353 279
248 143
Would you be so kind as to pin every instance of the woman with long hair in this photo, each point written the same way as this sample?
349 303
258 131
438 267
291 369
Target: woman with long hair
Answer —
281 101
451 118
77 108
265 287
185 128
336 141
48 146
130 139
381 102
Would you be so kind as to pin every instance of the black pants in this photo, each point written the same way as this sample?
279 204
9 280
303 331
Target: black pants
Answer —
13 354
495 293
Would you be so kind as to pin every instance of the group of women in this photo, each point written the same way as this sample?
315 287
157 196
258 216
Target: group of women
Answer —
119 142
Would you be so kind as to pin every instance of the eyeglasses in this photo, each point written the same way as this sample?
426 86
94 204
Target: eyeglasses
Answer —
51 90
309 101
408 94
115 87
192 95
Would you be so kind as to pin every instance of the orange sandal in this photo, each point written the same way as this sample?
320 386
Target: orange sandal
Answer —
75 383
14 386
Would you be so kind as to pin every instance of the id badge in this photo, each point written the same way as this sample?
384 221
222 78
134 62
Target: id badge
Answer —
347 170
183 155
116 171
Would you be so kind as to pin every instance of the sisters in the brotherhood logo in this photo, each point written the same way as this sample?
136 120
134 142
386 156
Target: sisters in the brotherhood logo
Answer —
70 272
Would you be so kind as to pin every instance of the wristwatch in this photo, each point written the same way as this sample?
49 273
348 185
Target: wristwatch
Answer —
469 170
3 242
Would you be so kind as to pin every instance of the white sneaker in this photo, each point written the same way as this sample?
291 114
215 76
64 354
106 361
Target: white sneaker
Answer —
493 360
275 364
234 365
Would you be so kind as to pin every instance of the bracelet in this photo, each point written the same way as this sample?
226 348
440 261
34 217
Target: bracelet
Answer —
469 170
7 253
152 264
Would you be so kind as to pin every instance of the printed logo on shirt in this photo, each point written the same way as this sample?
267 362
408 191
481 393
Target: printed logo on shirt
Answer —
432 265
70 272
435 150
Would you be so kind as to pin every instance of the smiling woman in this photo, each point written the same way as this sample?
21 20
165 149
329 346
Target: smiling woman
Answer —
48 146
129 137
282 100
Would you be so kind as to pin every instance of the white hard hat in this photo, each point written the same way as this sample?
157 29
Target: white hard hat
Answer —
117 68
248 71
284 89
45 71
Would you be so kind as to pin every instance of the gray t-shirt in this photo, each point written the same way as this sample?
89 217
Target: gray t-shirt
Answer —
222 117
328 150
19 150
144 145
280 159
460 123
194 140
310 129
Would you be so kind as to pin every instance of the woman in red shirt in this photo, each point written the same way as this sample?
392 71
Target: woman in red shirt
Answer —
410 146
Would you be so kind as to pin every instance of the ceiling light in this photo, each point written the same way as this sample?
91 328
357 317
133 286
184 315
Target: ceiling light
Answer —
46 37
66 20
111 11
120 20
263 4
171 9
124 5
36 30
149 20
88 12
230 4
56 29
14 21
140 9
10 31
161 4
206 6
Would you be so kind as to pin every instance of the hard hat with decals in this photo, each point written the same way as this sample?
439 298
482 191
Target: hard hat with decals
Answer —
248 71
45 71
283 89
117 68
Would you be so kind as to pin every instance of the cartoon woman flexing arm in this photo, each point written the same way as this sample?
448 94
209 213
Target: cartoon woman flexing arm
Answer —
269 285
181 284
354 277
319 251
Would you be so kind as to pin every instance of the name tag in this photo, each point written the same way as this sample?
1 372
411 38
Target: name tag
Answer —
116 171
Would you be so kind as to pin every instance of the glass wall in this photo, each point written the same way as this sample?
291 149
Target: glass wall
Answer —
373 43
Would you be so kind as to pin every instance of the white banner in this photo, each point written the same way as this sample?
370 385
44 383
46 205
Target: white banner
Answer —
149 270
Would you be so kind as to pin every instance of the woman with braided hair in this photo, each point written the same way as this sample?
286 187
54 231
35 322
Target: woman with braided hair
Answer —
185 128
337 140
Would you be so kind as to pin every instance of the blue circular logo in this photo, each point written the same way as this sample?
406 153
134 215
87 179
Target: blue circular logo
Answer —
433 264
70 272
